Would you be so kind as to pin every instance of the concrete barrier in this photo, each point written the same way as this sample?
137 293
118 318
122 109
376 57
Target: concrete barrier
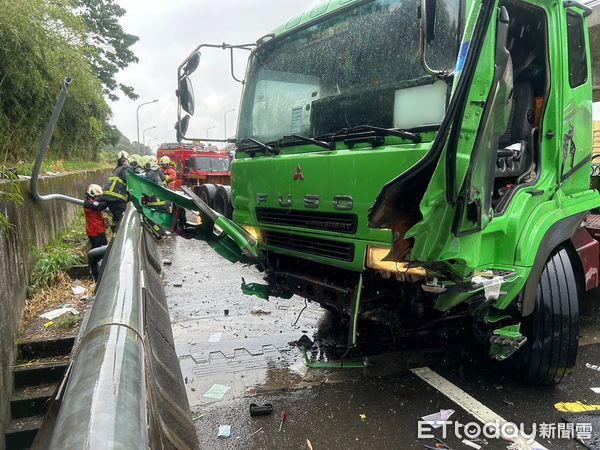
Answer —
36 224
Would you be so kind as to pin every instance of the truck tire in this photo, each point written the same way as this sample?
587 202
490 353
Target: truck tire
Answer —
207 192
552 330
223 202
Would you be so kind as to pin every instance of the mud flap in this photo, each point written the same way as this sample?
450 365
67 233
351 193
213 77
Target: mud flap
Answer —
224 236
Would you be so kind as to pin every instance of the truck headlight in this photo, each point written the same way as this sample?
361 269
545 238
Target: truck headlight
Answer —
375 261
252 231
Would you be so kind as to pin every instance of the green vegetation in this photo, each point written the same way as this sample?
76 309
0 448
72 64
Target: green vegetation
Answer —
54 259
44 41
11 192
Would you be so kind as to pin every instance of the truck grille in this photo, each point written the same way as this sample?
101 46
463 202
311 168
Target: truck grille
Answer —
321 247
341 223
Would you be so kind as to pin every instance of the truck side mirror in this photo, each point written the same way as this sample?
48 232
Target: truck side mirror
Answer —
181 127
428 12
185 93
192 64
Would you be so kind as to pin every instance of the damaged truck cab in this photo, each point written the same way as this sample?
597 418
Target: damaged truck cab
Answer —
425 164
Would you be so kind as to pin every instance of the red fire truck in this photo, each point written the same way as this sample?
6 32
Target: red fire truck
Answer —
206 169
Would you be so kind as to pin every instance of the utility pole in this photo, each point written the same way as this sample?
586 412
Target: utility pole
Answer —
225 120
137 117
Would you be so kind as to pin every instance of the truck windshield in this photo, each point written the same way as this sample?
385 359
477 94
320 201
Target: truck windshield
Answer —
212 164
358 67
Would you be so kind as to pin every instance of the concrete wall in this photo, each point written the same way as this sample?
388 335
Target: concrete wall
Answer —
36 224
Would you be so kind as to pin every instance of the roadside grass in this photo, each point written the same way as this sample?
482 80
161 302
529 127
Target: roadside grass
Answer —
62 166
61 254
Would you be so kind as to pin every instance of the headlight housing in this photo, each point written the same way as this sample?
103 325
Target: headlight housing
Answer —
375 256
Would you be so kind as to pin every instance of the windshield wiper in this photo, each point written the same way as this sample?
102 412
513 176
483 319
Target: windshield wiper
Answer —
317 142
415 138
266 148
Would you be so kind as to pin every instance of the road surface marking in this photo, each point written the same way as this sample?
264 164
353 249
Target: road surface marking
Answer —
473 406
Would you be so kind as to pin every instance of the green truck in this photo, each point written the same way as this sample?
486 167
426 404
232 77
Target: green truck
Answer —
420 163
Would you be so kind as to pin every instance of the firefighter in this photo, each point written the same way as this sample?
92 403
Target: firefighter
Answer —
94 224
115 190
168 171
134 162
153 172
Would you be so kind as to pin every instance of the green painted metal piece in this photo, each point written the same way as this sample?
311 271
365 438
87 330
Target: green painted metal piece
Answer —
332 364
256 289
505 341
224 236
353 331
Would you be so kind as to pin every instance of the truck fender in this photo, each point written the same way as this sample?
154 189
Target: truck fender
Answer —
561 231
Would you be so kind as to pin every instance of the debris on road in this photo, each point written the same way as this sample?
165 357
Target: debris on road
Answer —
225 312
167 262
309 444
217 391
508 402
224 431
198 417
282 418
596 390
178 284
363 417
575 407
259 311
260 429
55 313
264 410
436 420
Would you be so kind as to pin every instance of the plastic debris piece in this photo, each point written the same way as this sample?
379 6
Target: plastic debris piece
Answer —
224 431
596 390
363 417
575 407
491 287
309 444
225 312
167 262
48 324
257 310
78 290
436 420
215 337
471 444
55 313
217 391
198 417
592 366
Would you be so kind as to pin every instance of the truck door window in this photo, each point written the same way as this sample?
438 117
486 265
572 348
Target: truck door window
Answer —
578 70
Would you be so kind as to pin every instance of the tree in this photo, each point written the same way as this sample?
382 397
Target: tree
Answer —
109 46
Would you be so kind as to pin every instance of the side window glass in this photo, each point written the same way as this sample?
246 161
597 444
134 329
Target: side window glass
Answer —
578 71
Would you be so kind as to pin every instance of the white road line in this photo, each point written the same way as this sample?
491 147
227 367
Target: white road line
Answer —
473 406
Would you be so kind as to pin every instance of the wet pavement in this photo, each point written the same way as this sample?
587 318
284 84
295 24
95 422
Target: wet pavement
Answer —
227 338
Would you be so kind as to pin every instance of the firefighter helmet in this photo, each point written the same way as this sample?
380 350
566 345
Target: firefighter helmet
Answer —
122 155
151 162
165 161
94 190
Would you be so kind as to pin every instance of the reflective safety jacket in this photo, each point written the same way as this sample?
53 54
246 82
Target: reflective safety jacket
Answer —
116 187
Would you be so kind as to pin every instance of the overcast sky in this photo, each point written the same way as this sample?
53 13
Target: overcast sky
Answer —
168 32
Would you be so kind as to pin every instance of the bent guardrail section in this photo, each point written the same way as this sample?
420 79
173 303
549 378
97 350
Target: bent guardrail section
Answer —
124 389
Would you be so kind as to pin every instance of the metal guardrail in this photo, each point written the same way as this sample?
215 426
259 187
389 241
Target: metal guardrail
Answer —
124 389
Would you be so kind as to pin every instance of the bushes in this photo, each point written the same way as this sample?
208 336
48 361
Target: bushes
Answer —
42 42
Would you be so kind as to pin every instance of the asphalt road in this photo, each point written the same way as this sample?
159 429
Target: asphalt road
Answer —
226 338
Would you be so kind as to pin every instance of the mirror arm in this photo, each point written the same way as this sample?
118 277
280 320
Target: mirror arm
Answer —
232 68
423 61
